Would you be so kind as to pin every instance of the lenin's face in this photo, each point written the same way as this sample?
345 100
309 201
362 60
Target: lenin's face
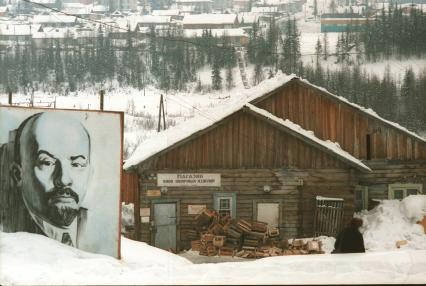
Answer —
55 167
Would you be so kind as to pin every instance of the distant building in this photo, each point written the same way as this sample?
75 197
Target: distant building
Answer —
173 13
4 11
16 33
210 21
55 20
194 6
235 36
341 22
242 5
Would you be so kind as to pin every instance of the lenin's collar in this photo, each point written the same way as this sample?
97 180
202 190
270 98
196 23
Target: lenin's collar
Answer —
56 232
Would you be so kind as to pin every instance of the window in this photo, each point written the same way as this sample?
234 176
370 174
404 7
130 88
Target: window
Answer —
225 203
224 206
400 191
368 145
361 198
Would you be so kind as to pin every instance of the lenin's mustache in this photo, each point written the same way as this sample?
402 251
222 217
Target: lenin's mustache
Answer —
61 192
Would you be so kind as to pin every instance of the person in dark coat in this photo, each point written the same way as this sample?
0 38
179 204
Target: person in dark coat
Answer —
350 240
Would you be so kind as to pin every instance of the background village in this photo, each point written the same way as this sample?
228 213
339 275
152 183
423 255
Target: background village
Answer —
253 132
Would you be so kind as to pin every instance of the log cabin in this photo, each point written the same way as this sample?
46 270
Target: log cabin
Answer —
290 154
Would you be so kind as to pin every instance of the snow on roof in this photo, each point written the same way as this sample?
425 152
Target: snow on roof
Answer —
171 136
209 19
15 29
148 19
193 1
53 33
54 18
3 9
330 146
268 9
100 8
368 111
44 1
248 17
171 12
197 33
321 198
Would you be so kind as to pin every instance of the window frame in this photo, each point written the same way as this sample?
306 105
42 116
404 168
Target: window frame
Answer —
364 197
233 202
404 187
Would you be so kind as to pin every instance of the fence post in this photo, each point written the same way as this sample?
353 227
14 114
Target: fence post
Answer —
102 93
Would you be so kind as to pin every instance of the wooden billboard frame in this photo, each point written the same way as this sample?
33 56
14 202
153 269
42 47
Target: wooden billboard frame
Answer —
121 116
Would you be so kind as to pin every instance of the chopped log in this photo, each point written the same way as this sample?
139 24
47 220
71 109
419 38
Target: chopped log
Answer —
226 251
283 244
273 232
195 245
207 237
218 240
244 225
257 235
216 229
259 226
313 245
287 252
297 243
400 243
234 232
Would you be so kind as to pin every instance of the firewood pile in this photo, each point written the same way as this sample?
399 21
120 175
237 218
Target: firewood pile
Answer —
223 236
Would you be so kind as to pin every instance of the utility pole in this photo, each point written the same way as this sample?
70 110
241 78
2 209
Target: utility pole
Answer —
161 110
101 104
10 98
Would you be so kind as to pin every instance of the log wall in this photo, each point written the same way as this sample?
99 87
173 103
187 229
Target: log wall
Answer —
244 141
385 173
298 202
335 120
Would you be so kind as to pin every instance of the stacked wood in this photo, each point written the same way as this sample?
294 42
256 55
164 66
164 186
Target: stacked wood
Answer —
244 225
220 235
298 247
216 229
195 245
273 232
219 241
206 246
226 251
205 218
258 226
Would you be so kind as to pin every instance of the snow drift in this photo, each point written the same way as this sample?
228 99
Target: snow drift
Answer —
394 220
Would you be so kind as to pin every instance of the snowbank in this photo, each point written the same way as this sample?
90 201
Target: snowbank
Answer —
394 220
34 259
127 215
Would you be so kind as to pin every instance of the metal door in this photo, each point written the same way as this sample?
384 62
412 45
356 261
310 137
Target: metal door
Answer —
165 225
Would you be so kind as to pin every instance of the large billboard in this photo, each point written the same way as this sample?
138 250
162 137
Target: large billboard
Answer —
60 175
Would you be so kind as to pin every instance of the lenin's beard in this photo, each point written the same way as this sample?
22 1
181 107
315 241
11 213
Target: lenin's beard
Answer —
62 206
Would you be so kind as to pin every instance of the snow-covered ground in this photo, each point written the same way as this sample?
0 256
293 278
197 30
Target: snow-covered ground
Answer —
32 259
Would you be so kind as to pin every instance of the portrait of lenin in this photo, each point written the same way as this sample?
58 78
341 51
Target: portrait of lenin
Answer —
51 172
